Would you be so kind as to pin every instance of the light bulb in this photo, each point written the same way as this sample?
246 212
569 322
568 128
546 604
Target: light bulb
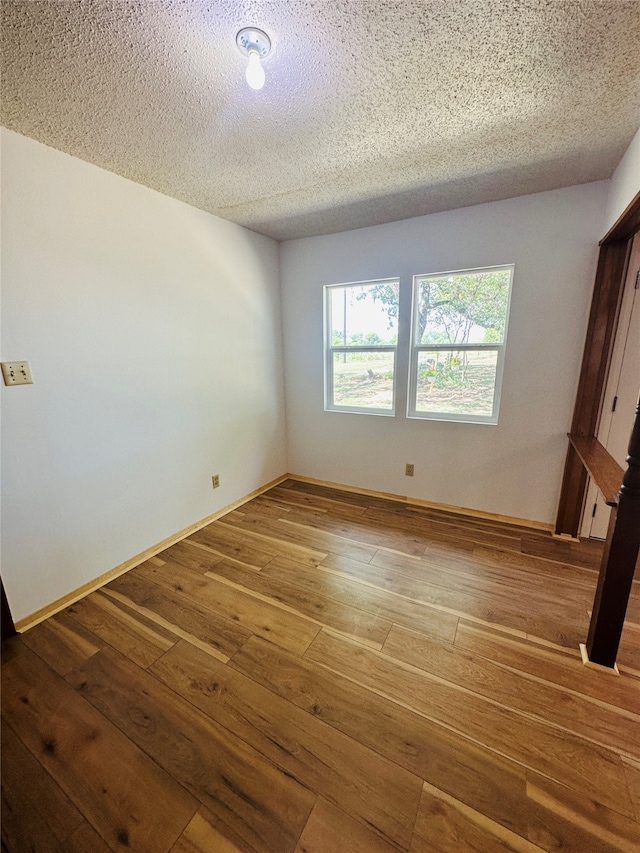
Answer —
255 44
255 71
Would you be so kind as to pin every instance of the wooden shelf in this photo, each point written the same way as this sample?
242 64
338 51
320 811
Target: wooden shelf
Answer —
602 467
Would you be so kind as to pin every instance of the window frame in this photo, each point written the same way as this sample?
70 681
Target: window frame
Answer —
416 349
330 350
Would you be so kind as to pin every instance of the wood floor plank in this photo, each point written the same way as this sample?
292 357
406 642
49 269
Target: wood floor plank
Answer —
301 553
12 647
544 610
130 633
508 584
260 802
370 788
419 568
587 552
483 779
568 633
84 840
329 830
415 580
365 598
447 530
561 819
62 642
265 505
23 831
117 787
454 526
365 626
454 572
629 650
281 530
480 522
351 497
294 497
445 825
187 553
577 575
205 833
258 617
203 626
440 550
561 755
632 772
552 665
227 542
33 795
359 530
558 580
594 721
425 512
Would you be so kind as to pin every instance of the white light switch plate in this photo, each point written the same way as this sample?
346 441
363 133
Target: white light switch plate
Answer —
17 373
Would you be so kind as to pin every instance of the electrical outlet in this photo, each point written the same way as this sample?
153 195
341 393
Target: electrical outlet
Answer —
408 470
17 373
215 480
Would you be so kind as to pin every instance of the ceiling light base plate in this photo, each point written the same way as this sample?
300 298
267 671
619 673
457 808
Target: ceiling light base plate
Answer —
252 39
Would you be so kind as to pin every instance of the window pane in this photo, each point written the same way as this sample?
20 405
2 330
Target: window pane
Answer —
456 381
364 314
462 308
363 380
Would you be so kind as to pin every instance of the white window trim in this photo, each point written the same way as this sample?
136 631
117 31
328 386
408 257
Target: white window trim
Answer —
416 349
331 350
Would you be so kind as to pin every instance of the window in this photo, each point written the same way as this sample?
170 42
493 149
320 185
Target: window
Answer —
361 335
456 337
459 322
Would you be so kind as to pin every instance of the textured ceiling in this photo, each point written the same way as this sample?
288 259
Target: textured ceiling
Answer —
373 110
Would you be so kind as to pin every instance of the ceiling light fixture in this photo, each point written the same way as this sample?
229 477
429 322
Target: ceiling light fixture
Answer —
255 44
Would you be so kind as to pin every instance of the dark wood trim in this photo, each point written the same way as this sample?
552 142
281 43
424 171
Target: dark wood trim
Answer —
603 319
574 488
627 224
601 465
8 628
618 563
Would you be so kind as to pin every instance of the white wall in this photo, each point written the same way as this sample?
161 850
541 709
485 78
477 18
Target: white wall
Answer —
153 332
624 184
514 468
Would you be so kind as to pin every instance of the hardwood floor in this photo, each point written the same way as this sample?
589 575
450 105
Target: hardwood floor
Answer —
326 672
